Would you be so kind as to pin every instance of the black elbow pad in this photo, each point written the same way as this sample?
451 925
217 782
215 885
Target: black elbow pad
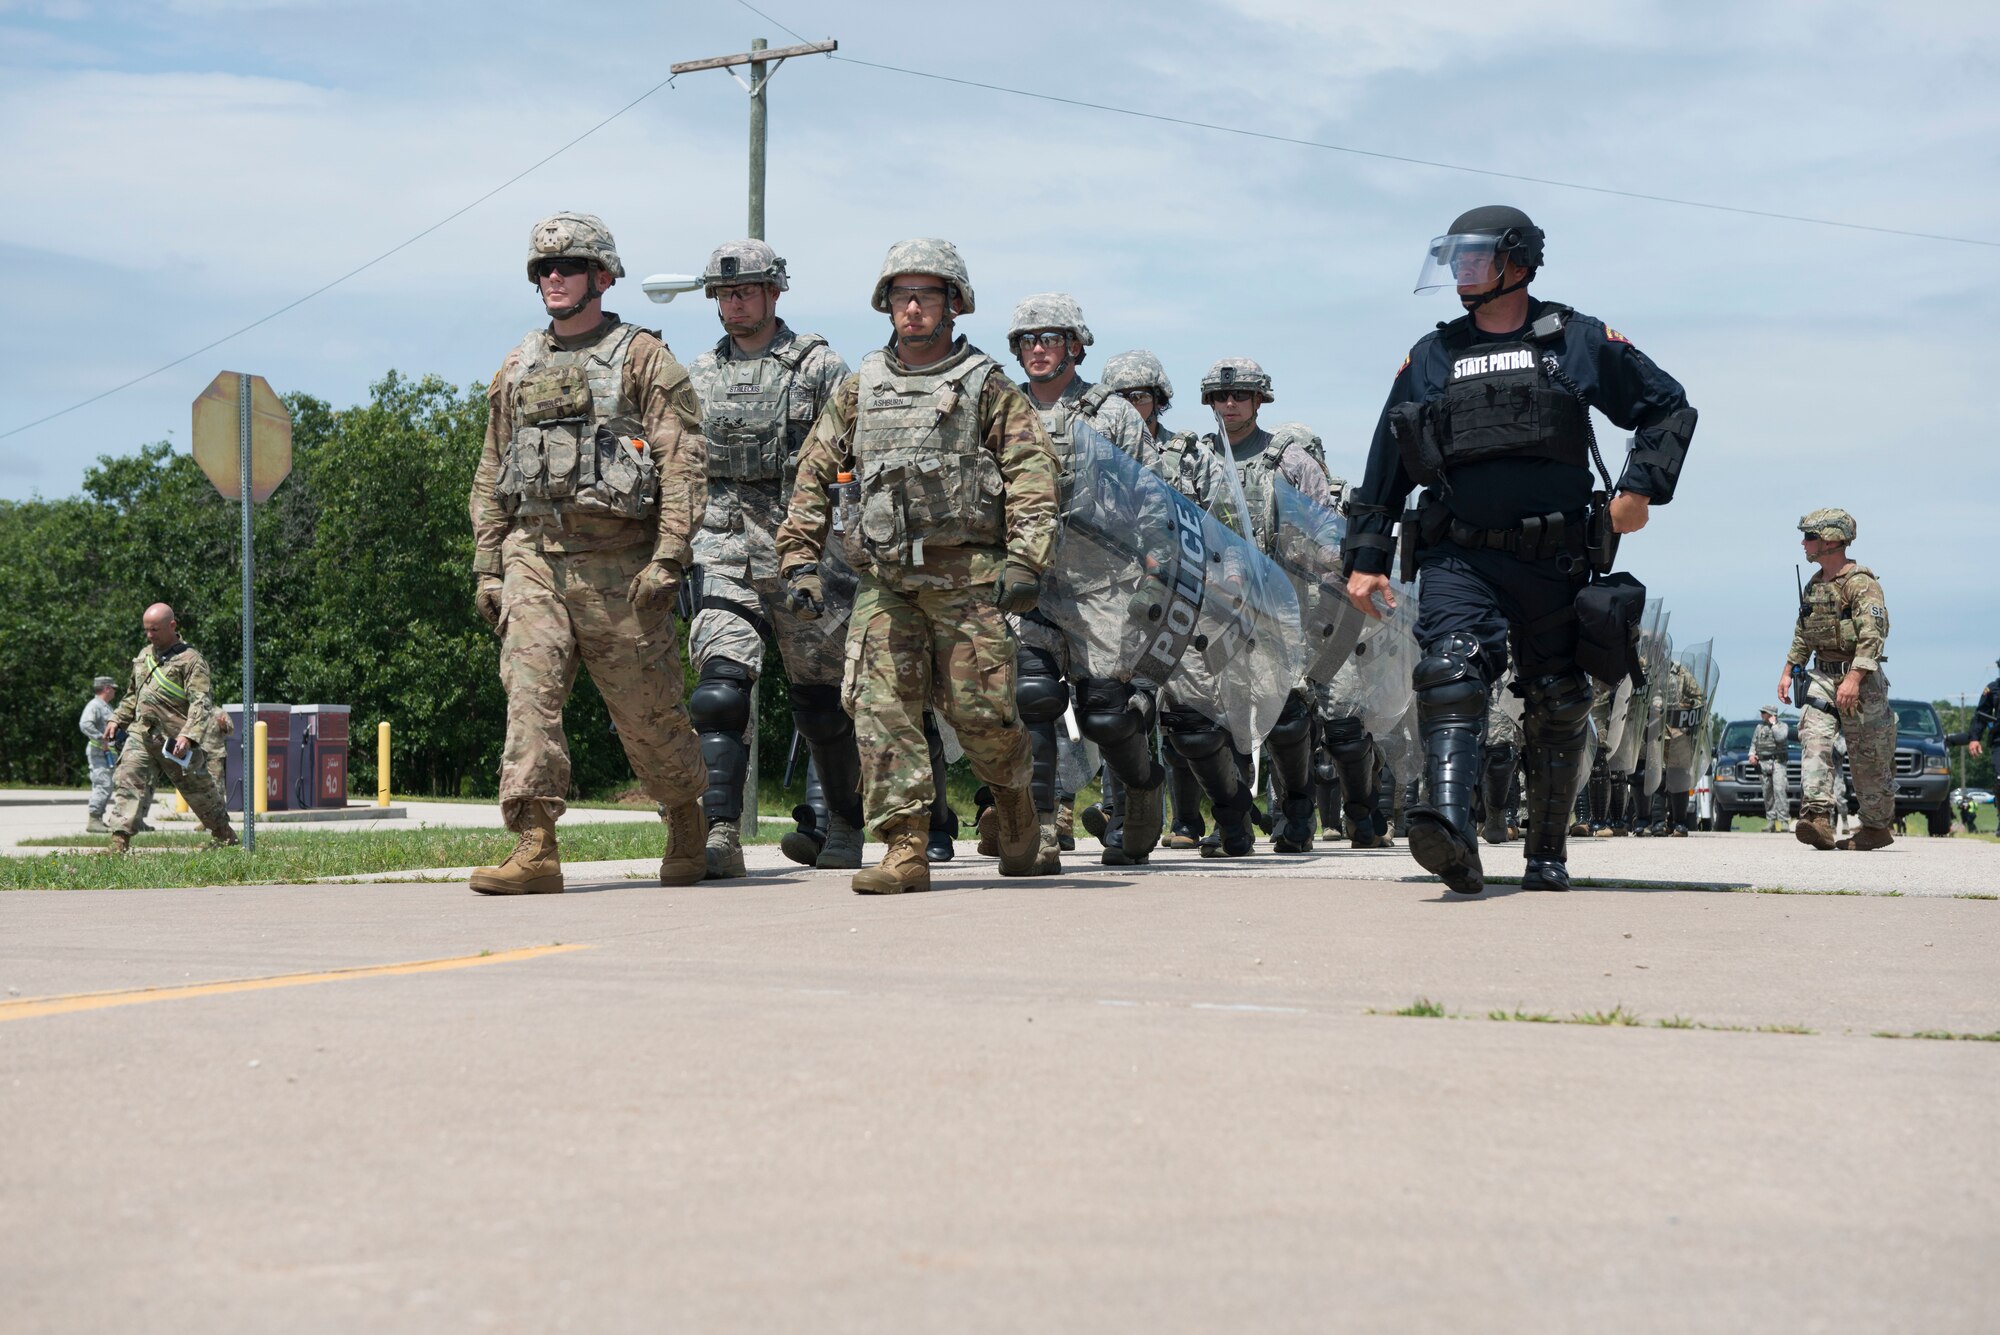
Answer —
1653 468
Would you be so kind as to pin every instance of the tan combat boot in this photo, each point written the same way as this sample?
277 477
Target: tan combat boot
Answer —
1867 838
1048 845
1817 831
905 864
1016 832
533 868
722 859
1066 823
120 844
988 825
224 837
686 858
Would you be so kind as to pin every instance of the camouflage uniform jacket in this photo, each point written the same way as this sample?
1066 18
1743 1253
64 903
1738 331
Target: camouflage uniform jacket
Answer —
658 396
1768 741
1107 412
1258 458
738 532
171 695
1844 620
1684 702
1007 425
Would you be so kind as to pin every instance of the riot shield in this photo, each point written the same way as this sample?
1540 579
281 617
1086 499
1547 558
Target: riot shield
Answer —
1385 659
1699 660
841 583
1652 624
1653 749
1305 543
1152 589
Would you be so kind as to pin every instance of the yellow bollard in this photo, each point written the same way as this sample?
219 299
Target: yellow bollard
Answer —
260 765
180 803
382 764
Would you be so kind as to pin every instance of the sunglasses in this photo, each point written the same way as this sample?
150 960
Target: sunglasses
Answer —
565 266
1042 338
1233 396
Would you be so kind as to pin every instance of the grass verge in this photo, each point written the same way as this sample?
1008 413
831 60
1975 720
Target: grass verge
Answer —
1619 1017
286 856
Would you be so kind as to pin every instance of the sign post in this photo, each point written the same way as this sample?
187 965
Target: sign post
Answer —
243 441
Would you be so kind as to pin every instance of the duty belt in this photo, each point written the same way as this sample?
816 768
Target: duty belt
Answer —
1536 539
1830 665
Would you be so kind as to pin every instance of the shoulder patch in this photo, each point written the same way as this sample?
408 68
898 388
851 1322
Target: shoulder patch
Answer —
1406 364
1614 336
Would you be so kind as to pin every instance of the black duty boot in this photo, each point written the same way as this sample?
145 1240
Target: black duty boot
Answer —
1557 727
1451 721
811 819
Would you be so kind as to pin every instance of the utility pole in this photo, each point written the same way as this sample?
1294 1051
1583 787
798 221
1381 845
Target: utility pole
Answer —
763 62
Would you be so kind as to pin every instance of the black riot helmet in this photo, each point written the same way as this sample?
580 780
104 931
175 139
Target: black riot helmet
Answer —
1476 249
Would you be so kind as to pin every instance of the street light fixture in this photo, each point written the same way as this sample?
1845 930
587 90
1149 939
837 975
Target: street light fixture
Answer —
664 287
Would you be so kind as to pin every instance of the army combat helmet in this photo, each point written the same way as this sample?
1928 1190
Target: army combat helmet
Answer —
1236 373
1140 369
925 255
581 236
1829 525
737 262
1050 310
1476 250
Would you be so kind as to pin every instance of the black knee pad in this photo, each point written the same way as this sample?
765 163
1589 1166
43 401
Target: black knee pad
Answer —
720 701
817 714
1193 736
1294 725
1105 713
1040 694
1449 684
1558 704
1346 737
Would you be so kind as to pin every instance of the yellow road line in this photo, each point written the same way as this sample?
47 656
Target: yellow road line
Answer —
29 1008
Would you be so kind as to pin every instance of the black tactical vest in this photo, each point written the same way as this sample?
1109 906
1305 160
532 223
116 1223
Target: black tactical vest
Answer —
1499 402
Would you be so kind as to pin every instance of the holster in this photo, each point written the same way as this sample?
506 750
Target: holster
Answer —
1600 538
1608 612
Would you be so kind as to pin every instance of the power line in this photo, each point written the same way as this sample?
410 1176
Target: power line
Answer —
358 269
1418 162
1385 157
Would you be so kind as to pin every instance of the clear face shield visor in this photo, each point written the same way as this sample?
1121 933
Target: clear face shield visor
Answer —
1461 260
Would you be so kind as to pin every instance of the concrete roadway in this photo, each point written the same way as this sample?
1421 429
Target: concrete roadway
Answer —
1166 1101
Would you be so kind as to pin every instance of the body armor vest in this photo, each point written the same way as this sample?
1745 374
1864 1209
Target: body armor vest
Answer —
747 420
1498 402
576 443
1826 616
1056 418
925 474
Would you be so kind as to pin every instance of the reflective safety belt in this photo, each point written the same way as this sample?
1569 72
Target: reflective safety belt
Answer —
173 688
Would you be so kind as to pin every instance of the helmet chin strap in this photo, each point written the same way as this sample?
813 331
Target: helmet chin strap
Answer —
1474 302
924 342
591 292
1054 371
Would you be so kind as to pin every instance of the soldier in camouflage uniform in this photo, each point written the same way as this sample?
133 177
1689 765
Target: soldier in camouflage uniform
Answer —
1843 628
588 490
1769 743
97 752
1142 381
1050 339
167 712
952 511
761 388
1686 714
1237 387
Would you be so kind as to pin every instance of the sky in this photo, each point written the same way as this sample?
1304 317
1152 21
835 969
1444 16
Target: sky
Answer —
180 168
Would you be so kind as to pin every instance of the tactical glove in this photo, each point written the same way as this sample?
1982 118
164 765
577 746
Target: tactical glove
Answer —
486 599
655 587
805 591
1019 588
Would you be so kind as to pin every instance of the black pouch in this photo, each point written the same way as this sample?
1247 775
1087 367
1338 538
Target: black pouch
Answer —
1608 612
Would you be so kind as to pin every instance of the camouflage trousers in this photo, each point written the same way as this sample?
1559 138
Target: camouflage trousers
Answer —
557 610
102 763
142 764
1871 750
1777 802
913 649
813 651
